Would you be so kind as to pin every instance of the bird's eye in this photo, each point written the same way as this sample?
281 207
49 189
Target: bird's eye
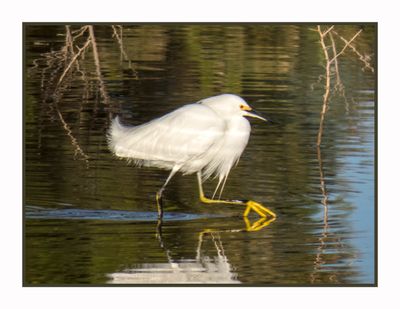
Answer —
245 107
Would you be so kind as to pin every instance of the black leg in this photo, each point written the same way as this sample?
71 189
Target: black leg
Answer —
160 192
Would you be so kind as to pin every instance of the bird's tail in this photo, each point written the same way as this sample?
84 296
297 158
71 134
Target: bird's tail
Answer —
114 134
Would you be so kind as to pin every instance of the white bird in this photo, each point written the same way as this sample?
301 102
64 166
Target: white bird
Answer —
207 138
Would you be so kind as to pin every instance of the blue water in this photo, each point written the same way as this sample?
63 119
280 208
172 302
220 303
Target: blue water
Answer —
32 212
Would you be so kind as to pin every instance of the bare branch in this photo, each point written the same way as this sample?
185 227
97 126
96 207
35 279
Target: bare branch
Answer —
74 142
97 64
124 55
338 84
328 62
327 82
68 40
327 31
335 58
88 41
347 45
80 32
364 59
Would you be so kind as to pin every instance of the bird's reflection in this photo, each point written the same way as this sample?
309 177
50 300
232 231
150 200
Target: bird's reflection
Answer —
203 269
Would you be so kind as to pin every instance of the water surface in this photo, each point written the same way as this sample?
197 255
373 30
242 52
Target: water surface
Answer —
91 218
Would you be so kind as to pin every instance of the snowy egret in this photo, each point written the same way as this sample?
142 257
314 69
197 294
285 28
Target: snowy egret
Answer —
207 138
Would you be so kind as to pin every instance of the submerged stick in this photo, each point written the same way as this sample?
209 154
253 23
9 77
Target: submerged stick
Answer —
88 41
124 54
327 82
103 91
364 59
328 62
347 45
74 141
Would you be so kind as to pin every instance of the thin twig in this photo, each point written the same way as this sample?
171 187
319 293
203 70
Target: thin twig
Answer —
73 61
326 32
364 59
338 80
347 45
68 41
124 55
97 64
339 87
328 62
327 84
78 149
80 32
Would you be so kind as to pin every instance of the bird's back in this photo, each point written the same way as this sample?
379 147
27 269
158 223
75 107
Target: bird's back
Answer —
178 138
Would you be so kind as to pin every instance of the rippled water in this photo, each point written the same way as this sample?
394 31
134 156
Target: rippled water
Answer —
91 219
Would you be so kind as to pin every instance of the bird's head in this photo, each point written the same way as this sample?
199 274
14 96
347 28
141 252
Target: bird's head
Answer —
230 105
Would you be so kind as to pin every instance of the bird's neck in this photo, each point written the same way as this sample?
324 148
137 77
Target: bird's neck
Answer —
237 123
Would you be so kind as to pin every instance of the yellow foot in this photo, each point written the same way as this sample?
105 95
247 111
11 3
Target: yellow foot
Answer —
258 208
212 201
250 205
258 225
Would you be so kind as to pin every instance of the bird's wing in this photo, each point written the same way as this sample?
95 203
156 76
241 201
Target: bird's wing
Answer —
181 135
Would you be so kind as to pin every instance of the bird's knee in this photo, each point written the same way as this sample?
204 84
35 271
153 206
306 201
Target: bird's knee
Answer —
159 194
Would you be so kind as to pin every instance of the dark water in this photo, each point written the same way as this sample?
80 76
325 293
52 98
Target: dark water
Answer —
91 219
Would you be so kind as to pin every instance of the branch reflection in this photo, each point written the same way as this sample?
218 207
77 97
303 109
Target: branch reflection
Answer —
327 239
